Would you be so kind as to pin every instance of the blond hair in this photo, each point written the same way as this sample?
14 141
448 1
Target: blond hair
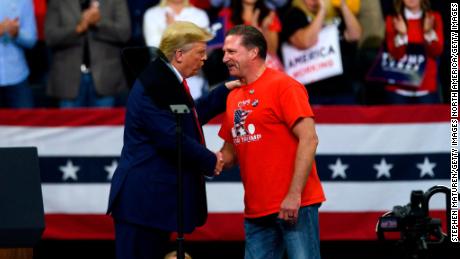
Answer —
180 34
173 255
165 3
330 6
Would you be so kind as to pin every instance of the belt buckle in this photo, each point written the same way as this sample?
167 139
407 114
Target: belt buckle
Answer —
84 69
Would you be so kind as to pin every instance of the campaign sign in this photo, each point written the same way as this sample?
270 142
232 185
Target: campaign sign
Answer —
321 61
407 71
217 29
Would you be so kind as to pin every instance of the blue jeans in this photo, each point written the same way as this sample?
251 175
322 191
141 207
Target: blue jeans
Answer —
268 237
16 96
87 95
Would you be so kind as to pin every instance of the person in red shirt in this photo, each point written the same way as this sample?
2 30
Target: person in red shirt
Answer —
415 24
269 128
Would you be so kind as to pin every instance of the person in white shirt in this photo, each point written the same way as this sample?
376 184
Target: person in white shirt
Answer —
158 17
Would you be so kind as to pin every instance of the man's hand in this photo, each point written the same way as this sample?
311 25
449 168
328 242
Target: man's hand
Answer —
289 209
89 17
233 84
10 26
92 15
14 27
82 26
219 163
3 27
229 156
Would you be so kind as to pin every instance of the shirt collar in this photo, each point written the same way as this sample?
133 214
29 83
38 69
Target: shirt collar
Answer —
178 75
412 15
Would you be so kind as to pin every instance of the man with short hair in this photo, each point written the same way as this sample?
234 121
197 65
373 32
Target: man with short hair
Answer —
268 125
85 38
143 195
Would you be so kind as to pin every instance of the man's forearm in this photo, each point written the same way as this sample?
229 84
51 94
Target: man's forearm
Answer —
305 132
303 163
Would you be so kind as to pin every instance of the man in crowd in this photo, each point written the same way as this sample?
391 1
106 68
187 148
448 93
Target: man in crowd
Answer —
85 38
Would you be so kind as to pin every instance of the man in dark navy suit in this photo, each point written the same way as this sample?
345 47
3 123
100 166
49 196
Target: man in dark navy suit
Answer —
143 195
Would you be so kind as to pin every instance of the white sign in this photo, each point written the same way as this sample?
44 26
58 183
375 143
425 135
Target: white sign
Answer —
323 60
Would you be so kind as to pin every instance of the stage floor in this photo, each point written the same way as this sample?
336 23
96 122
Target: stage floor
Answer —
51 249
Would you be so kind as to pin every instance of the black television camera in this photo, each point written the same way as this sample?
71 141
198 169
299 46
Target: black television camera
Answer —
417 229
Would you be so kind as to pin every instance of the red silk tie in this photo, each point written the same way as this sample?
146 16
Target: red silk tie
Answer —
200 130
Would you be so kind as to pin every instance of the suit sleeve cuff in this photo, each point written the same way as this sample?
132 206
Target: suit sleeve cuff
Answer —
430 36
400 40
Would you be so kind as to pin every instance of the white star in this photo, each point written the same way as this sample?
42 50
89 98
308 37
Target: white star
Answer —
338 169
110 169
383 169
426 168
69 171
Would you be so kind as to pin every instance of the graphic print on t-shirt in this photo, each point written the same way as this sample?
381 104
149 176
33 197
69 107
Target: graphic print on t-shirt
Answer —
239 120
240 132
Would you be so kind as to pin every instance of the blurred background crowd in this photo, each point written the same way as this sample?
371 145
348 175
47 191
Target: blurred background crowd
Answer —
67 53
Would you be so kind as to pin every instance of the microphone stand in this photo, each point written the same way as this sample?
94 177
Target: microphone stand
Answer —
179 110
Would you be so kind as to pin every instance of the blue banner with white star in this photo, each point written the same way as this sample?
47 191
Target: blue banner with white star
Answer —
369 159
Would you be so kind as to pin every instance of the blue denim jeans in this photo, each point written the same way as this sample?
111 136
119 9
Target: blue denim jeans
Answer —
269 237
87 95
16 96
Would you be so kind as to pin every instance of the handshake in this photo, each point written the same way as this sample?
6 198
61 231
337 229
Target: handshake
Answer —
225 158
220 164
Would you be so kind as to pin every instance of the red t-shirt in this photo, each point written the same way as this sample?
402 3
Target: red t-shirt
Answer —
258 122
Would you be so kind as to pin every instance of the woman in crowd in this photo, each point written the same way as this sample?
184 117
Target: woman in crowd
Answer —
257 14
302 25
415 25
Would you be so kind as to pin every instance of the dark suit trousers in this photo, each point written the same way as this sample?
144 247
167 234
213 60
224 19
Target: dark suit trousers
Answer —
139 242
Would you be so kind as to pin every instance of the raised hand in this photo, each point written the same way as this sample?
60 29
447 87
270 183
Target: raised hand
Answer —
255 18
428 23
82 26
169 18
10 27
94 14
322 7
400 25
268 20
13 27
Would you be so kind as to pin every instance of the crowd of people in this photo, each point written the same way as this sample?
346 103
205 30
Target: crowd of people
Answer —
66 53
